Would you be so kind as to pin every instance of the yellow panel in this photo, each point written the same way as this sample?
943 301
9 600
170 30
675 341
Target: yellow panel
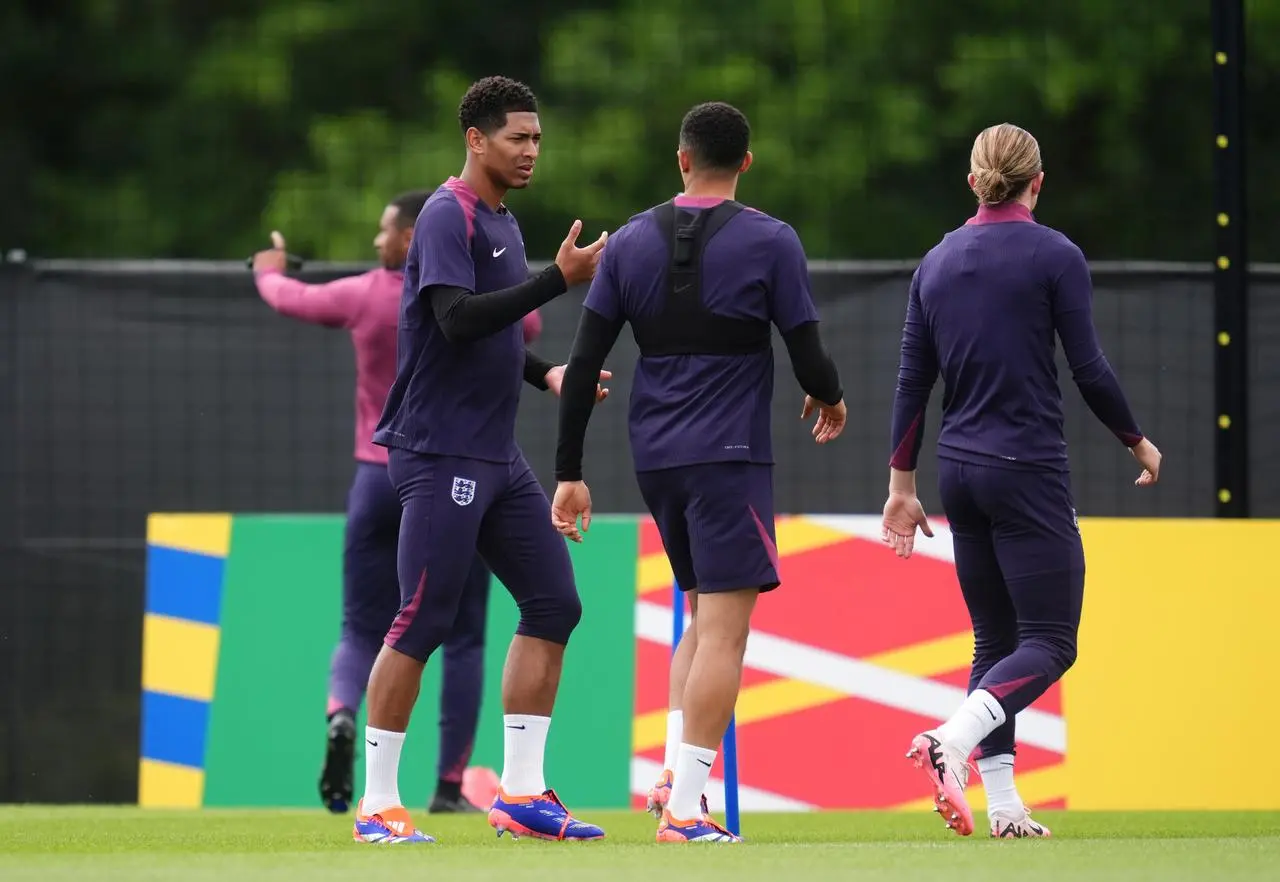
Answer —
165 785
653 573
1176 683
929 658
179 657
797 535
202 533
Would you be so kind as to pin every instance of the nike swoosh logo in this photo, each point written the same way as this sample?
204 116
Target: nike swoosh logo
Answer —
705 763
990 711
371 743
515 727
497 252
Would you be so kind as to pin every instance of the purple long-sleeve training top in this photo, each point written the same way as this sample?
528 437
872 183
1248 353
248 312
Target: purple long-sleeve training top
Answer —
984 307
368 306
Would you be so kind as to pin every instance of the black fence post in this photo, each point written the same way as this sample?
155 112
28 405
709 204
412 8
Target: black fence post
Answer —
1231 279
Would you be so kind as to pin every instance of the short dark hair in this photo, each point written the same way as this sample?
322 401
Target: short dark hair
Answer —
717 135
489 100
409 206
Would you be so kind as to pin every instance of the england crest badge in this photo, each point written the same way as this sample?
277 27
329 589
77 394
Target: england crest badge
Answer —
464 490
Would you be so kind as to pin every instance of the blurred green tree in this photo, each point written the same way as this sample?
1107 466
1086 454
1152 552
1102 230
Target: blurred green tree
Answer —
192 129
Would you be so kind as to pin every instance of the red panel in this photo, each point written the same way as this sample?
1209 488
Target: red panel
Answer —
849 754
650 541
858 599
652 670
958 677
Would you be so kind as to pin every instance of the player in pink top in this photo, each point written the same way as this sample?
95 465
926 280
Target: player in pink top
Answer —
368 306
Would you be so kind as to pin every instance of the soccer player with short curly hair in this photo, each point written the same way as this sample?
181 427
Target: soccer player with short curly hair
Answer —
464 485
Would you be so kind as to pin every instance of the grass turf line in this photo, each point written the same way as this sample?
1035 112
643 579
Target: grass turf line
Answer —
52 844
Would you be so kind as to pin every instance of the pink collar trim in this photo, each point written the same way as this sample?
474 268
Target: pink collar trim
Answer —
1009 212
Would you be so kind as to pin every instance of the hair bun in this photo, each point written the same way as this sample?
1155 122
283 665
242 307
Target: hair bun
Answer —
991 185
1003 162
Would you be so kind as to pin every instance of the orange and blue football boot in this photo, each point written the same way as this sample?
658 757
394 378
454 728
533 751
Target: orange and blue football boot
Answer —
391 826
538 817
704 829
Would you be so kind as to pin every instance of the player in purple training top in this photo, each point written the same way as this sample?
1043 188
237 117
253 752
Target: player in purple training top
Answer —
983 309
463 483
367 306
701 280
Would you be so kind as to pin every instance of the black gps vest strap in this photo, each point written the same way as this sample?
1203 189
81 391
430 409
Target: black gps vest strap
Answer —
684 325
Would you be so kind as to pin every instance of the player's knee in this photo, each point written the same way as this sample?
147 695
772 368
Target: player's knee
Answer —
724 621
993 643
419 643
720 636
552 617
1067 654
1059 649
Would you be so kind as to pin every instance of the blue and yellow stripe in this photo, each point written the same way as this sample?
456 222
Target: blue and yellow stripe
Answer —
186 561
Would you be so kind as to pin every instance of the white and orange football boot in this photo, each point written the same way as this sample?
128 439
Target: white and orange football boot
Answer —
391 826
704 829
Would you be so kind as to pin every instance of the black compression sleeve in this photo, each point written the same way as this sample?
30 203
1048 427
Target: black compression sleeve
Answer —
465 317
535 370
595 338
815 371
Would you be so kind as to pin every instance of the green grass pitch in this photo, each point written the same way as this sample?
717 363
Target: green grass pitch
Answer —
50 844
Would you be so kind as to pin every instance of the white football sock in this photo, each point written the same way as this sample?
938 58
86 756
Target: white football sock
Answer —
524 741
381 769
979 716
693 768
997 780
675 733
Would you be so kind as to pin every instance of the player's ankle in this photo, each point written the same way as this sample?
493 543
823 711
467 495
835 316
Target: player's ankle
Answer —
997 780
1008 811
693 768
524 746
382 769
976 718
377 803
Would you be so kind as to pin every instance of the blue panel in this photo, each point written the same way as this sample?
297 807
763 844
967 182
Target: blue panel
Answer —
184 585
174 730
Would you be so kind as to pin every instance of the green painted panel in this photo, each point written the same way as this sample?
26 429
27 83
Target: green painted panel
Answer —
589 745
280 617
